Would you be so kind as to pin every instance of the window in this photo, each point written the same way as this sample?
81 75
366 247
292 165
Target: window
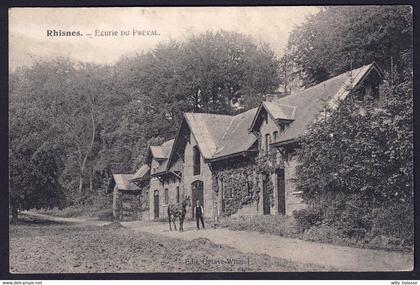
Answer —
275 135
177 194
146 197
166 196
267 143
283 126
196 160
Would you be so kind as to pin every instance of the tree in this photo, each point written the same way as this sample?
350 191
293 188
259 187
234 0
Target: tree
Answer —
341 37
35 162
94 120
288 76
226 70
70 93
213 72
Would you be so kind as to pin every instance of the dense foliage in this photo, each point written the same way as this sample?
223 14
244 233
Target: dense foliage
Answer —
239 183
338 37
357 166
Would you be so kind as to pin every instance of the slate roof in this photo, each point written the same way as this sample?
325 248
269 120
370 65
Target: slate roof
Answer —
237 138
280 111
162 153
220 136
142 173
208 130
122 181
310 102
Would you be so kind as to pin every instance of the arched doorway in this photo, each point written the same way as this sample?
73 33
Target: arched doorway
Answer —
281 192
156 203
197 194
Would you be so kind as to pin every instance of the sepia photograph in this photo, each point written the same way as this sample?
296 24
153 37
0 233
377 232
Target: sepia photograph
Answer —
211 139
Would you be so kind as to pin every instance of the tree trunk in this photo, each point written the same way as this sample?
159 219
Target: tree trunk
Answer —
14 213
80 184
91 181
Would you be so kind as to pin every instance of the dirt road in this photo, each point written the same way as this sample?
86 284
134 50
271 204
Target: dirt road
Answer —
51 246
302 252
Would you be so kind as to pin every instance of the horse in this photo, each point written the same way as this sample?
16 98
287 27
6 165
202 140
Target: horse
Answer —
178 210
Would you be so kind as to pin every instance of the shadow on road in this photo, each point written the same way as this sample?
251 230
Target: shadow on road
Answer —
28 220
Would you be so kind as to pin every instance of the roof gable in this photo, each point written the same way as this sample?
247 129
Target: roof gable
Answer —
208 130
161 151
216 135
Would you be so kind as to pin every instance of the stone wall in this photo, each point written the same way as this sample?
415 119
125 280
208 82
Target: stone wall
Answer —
205 176
128 206
294 199
168 181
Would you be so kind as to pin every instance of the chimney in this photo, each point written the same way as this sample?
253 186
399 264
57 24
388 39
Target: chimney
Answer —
270 97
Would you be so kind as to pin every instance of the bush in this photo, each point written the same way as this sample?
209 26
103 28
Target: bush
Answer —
323 233
388 222
357 166
307 218
318 232
105 215
99 207
387 243
278 225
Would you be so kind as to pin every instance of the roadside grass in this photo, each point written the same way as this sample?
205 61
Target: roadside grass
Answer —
288 227
98 207
83 211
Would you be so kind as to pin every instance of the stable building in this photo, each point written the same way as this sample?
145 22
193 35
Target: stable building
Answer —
126 198
244 164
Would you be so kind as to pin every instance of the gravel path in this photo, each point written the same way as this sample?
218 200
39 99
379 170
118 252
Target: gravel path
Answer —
341 257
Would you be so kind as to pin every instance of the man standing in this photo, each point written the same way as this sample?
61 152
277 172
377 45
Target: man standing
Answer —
199 213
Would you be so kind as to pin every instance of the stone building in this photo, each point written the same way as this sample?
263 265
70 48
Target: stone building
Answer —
244 164
126 198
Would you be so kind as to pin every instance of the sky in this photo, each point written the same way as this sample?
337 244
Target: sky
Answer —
101 40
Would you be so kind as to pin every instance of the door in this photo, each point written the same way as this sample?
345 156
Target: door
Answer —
197 194
266 195
156 204
281 191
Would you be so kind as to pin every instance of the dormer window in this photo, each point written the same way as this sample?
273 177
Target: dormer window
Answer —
369 89
283 126
275 135
369 92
